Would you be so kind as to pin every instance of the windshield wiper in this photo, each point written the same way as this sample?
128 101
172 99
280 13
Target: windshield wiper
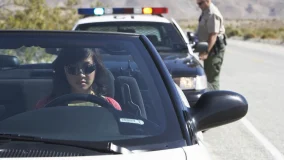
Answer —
104 147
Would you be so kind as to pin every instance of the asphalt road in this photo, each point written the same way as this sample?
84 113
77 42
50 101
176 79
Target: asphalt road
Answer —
256 71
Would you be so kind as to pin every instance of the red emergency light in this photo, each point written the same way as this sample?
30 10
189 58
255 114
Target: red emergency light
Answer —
151 10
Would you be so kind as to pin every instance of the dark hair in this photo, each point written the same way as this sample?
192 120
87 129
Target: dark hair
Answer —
69 56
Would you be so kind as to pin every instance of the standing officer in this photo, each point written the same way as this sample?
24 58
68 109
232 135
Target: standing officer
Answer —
211 29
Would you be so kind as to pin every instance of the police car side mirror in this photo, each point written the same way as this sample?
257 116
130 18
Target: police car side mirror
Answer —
216 108
191 37
200 47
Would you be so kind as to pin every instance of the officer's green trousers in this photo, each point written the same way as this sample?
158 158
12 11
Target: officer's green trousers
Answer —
212 67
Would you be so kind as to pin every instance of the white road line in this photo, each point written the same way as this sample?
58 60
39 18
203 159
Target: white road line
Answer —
277 155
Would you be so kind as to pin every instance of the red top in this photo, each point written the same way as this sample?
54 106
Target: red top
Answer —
45 100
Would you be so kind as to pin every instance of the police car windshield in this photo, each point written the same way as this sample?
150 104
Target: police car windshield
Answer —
164 36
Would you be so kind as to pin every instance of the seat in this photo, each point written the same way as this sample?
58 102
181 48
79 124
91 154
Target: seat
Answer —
153 38
12 99
129 96
109 84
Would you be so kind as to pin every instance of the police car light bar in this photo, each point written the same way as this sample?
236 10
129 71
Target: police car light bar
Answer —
103 11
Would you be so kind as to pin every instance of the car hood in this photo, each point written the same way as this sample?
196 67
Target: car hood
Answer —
194 152
181 65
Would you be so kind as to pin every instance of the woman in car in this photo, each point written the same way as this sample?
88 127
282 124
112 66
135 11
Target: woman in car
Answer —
78 70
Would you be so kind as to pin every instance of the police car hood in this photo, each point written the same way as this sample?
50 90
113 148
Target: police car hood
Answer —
181 64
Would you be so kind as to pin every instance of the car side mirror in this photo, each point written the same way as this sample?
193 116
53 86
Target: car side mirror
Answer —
7 61
201 47
216 108
190 36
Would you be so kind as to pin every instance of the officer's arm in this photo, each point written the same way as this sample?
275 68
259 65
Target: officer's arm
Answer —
211 40
214 23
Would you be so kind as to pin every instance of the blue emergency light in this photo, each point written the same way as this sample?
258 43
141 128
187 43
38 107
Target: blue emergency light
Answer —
103 11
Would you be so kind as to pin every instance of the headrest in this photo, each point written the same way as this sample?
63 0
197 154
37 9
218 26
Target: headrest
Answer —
153 38
109 83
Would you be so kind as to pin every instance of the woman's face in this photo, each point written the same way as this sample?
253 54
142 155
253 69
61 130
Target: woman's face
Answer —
81 75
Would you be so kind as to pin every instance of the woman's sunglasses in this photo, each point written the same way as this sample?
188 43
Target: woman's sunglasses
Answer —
76 70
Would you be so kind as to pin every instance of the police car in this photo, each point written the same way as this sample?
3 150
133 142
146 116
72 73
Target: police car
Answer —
167 37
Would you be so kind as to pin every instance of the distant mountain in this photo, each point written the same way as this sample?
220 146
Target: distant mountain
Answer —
187 9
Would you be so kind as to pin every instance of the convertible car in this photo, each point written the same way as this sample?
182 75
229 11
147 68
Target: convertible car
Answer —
145 114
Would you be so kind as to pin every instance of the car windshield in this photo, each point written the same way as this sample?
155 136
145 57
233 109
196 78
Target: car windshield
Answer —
82 86
164 36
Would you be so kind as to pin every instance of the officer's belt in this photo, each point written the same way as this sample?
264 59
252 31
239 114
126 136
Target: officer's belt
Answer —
221 36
